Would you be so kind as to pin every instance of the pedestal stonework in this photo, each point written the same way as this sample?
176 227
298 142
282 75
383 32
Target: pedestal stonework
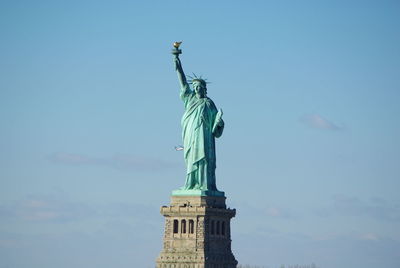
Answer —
197 233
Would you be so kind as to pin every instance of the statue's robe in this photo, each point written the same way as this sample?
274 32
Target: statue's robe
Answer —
199 130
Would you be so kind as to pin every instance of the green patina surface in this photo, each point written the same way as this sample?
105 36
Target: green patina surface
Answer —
201 124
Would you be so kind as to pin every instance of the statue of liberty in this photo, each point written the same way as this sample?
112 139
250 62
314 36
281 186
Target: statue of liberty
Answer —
201 124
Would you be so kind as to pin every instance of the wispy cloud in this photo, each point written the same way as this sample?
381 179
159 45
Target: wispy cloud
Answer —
271 211
376 208
60 209
319 122
279 212
370 236
45 208
117 161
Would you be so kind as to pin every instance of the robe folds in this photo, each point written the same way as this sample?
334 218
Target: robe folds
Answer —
199 129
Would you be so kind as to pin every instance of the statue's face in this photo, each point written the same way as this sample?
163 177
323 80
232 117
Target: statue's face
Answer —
199 89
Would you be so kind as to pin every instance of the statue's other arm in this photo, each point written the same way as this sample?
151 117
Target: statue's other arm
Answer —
185 89
219 125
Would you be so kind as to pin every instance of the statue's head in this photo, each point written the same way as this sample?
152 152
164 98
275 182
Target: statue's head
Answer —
199 86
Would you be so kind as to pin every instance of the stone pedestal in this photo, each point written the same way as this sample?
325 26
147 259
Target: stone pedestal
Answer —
197 233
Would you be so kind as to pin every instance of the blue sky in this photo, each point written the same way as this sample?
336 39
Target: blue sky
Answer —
90 115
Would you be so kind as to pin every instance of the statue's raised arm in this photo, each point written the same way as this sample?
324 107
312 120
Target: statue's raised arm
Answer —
179 70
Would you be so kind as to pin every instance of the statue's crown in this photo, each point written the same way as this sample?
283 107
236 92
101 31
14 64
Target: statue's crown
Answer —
197 78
